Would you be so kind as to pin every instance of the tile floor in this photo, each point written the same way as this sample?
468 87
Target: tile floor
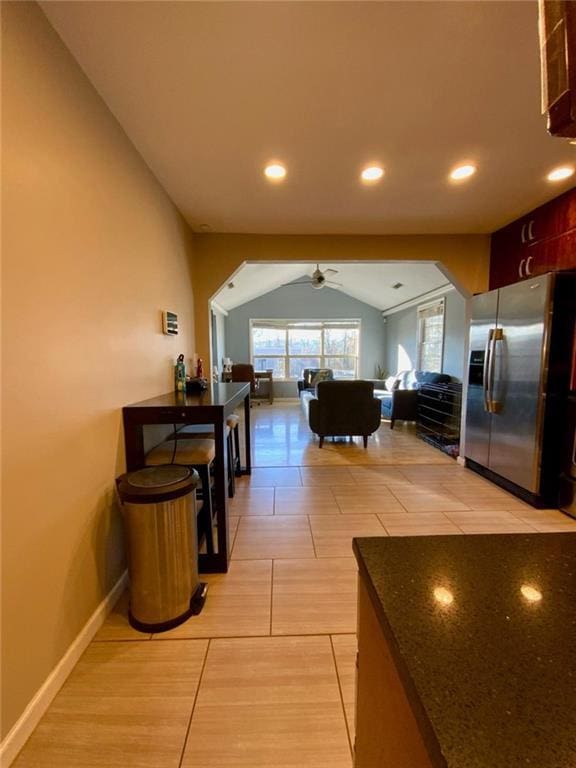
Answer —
264 677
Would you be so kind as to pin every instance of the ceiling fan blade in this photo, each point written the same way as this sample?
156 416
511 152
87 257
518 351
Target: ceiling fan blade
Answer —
301 282
331 282
334 271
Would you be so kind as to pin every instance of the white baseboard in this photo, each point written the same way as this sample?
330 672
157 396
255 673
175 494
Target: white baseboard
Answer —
22 729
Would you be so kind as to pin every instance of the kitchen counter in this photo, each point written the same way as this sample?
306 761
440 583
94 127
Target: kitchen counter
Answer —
481 637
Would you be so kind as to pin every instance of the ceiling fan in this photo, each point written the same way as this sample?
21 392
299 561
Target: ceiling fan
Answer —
318 278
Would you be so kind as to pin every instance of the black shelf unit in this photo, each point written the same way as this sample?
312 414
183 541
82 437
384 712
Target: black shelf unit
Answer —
438 422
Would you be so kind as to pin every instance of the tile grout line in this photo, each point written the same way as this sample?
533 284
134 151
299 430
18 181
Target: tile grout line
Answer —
183 752
235 535
350 746
125 639
271 595
260 636
312 537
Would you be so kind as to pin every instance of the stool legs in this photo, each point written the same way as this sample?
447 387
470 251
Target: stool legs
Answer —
205 516
231 468
236 432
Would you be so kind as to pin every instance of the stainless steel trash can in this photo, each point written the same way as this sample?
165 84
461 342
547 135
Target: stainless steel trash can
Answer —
159 511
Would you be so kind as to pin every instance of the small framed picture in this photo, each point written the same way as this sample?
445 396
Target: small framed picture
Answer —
170 323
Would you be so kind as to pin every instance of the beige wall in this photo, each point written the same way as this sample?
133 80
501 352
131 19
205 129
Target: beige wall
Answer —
93 250
464 258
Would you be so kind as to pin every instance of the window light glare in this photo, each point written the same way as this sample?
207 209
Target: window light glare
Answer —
372 173
463 172
275 171
560 173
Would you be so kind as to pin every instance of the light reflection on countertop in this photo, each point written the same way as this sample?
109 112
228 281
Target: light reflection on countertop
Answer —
483 629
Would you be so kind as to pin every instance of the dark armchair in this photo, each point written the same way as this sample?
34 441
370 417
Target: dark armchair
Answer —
311 377
346 408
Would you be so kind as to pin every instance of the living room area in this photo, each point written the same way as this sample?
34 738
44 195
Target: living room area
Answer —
396 326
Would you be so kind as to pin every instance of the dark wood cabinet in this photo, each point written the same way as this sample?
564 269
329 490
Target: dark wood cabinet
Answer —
558 51
542 241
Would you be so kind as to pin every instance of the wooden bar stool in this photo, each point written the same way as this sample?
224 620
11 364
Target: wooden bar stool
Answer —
205 431
199 454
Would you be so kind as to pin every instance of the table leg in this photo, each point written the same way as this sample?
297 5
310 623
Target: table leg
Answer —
218 562
221 495
247 447
134 445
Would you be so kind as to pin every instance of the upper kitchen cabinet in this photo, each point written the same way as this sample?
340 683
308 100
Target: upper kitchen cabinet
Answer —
558 56
542 241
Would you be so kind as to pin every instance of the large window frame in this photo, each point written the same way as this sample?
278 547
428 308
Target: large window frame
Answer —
428 348
325 358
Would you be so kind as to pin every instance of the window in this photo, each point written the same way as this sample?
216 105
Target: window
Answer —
289 346
431 336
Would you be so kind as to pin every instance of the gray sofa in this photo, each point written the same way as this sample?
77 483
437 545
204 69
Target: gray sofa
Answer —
399 396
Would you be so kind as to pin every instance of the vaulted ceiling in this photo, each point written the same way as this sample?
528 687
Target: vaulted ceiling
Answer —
373 283
209 92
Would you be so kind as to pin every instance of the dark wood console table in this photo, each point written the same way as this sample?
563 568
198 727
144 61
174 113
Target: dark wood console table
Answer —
210 407
438 420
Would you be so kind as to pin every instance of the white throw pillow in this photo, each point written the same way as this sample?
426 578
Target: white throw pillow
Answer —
391 383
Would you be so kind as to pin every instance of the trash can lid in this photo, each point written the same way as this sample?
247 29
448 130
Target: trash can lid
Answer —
157 484
158 476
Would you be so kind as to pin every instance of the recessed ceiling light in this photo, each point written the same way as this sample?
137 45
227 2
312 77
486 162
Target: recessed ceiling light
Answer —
443 596
275 172
462 172
531 594
372 173
561 173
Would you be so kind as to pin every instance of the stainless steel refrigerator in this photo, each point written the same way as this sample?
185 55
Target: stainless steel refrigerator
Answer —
521 339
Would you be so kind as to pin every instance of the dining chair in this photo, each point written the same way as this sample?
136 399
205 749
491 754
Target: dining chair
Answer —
244 372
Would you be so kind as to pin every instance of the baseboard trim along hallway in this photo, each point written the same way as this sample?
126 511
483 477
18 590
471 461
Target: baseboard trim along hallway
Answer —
23 728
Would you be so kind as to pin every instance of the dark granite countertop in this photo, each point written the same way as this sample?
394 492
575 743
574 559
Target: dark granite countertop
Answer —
483 631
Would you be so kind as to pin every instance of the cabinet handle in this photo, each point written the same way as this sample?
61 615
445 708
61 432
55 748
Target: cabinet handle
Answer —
530 231
520 268
528 260
523 233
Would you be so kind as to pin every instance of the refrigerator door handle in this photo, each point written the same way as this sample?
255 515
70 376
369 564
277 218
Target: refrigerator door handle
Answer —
494 406
487 369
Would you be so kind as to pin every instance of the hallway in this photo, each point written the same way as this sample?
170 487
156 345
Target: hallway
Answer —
264 677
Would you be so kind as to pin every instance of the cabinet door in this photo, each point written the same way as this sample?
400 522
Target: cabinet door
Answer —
552 219
508 268
536 261
557 253
506 251
558 42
